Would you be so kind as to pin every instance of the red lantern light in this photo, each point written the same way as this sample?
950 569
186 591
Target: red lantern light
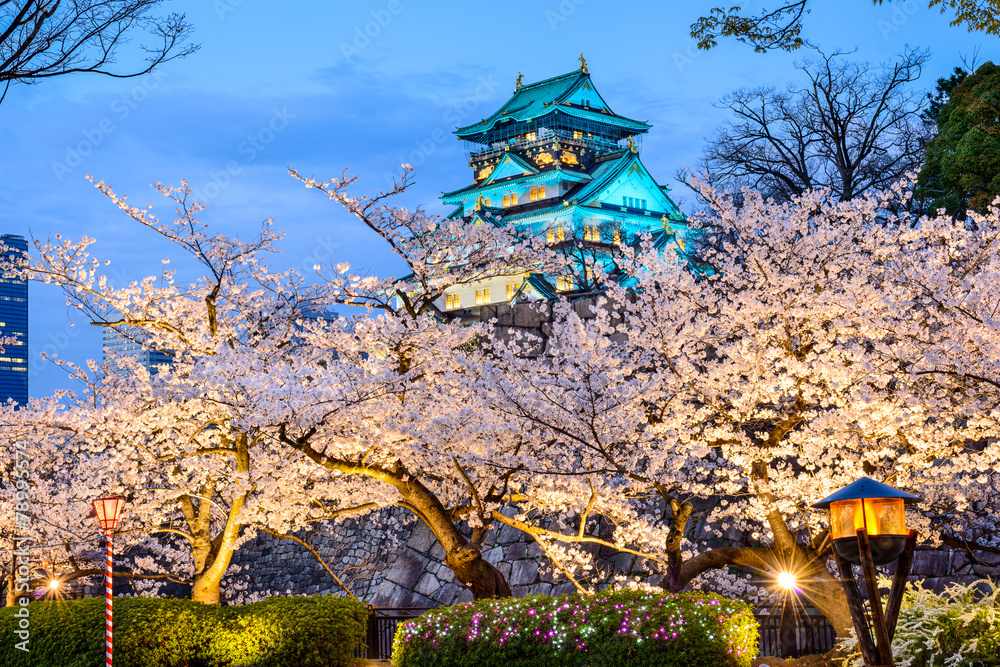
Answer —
108 510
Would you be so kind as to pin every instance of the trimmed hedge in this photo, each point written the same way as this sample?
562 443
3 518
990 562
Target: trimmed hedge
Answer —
318 631
610 629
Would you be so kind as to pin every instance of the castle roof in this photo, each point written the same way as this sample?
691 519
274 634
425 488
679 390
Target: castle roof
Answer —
571 94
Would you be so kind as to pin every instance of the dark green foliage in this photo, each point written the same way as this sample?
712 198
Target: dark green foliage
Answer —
610 629
962 168
941 95
319 631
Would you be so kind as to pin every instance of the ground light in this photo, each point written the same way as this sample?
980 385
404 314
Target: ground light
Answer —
108 510
787 581
868 528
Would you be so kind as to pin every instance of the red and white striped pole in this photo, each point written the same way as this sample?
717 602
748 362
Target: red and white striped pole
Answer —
108 638
107 511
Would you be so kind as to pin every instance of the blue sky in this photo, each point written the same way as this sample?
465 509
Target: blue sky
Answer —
319 86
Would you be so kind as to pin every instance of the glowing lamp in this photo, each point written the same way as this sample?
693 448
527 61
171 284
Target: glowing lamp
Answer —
54 585
787 581
108 510
877 509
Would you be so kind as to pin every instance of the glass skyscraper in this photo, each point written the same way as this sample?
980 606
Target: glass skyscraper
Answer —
14 324
117 345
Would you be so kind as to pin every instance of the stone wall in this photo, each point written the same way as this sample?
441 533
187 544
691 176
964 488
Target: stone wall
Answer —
416 576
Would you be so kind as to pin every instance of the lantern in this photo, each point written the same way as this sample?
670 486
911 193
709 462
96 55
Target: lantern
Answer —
108 510
875 507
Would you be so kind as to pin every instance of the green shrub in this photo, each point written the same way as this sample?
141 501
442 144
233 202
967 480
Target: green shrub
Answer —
610 629
319 631
958 628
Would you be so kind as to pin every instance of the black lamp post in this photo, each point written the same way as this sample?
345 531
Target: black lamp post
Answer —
868 528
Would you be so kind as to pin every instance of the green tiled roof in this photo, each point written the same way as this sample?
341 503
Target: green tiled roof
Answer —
545 97
543 177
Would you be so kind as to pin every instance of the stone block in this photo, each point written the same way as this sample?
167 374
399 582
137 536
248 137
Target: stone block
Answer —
585 309
407 570
494 555
428 585
542 588
448 593
504 315
936 584
517 551
563 589
520 591
464 595
622 562
988 558
509 535
535 551
437 551
504 569
422 539
931 563
523 572
986 571
530 316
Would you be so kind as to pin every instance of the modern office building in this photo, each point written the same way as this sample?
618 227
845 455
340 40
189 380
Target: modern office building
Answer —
14 324
131 345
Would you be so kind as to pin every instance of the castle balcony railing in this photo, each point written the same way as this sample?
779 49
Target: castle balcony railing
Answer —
545 136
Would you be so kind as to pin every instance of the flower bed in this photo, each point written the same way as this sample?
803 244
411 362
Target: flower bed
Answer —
612 629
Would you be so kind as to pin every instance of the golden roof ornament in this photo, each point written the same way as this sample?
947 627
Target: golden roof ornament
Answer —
583 65
517 84
632 146
479 202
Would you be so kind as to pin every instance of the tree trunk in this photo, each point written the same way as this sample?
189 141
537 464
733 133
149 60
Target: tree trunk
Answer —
11 597
478 575
462 557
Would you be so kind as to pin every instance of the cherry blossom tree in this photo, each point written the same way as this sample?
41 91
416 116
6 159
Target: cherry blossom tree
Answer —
421 445
177 443
807 357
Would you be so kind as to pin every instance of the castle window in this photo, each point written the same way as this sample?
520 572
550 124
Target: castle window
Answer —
537 193
511 290
564 283
530 136
591 233
561 233
618 236
482 296
487 202
577 134
451 301
510 200
555 234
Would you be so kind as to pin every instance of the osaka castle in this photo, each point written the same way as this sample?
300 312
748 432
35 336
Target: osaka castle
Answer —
558 162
